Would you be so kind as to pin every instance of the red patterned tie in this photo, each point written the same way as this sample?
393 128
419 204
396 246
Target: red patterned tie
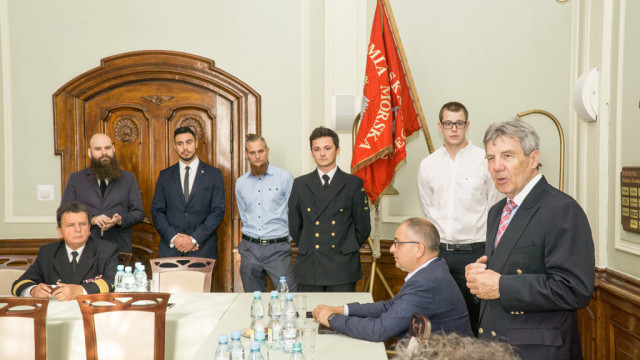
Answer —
504 220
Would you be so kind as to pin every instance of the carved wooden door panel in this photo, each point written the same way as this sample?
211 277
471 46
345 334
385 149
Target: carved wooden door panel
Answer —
138 99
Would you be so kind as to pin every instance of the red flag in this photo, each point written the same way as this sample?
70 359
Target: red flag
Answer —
388 113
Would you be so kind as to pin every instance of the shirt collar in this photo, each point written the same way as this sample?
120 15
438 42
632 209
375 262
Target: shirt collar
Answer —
192 166
269 171
518 199
79 250
330 173
409 275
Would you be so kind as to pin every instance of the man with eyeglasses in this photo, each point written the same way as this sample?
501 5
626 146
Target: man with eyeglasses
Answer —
456 192
428 289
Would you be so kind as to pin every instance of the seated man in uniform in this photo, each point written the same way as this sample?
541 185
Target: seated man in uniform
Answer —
75 265
429 289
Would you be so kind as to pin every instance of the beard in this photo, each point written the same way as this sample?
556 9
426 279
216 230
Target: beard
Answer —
259 170
107 171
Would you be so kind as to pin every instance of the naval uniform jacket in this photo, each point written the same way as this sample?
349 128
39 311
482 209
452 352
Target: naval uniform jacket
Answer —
547 262
95 271
329 227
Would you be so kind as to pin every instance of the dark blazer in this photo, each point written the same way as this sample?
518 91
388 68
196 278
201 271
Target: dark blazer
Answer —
547 261
431 291
99 259
121 197
198 218
329 227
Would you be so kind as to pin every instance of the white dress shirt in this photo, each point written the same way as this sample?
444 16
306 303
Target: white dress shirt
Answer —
330 173
456 194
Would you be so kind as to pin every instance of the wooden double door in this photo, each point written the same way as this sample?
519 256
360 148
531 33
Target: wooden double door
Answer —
139 99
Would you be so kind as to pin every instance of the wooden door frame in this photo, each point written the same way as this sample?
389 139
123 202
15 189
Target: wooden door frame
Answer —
69 133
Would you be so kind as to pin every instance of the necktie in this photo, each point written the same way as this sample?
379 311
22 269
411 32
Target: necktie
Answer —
103 187
504 220
326 178
186 184
74 261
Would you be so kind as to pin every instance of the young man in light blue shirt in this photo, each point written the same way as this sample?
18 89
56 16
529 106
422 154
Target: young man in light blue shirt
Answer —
262 195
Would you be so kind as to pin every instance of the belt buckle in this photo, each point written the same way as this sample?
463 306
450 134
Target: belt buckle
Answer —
450 247
264 241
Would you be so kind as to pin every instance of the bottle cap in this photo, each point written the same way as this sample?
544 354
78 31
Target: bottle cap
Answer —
289 296
254 346
283 279
127 268
274 293
297 346
235 335
257 295
260 335
120 267
223 339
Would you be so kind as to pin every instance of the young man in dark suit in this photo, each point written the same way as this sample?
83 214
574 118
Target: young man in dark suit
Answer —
75 265
188 203
429 289
328 220
111 194
539 263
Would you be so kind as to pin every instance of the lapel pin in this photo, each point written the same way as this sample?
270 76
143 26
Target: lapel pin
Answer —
202 171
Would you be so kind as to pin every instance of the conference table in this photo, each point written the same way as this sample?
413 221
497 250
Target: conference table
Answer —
194 322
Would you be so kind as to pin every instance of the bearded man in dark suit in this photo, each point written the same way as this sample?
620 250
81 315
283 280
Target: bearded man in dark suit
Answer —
188 203
111 194
539 263
328 220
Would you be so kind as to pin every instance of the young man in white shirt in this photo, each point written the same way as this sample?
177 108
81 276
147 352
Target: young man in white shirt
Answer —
456 192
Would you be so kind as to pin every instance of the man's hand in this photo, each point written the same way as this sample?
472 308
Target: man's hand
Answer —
40 291
183 243
100 221
66 292
115 220
322 312
483 283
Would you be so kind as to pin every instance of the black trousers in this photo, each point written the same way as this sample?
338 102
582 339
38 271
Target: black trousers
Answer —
457 260
348 287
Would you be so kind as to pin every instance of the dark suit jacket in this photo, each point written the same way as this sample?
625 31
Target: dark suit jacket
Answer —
99 258
198 218
122 197
430 291
547 261
329 228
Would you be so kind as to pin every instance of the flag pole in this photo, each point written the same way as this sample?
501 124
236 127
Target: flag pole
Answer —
407 70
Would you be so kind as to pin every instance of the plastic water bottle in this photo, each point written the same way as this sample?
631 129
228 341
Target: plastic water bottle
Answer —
264 350
118 280
289 329
141 279
296 352
222 352
128 281
283 288
236 347
274 338
255 351
257 312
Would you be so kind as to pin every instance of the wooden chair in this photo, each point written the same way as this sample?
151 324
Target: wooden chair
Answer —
116 325
182 274
11 268
419 330
23 330
124 258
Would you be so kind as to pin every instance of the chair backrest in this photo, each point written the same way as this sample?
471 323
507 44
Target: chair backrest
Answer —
11 268
182 274
116 324
420 329
23 329
124 258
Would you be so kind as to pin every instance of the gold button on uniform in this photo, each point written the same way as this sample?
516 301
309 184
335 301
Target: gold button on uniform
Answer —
317 235
333 246
308 209
341 210
519 272
333 222
317 246
317 222
493 333
480 331
333 234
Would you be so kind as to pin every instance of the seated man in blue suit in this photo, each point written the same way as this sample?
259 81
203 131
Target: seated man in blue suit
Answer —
188 204
429 289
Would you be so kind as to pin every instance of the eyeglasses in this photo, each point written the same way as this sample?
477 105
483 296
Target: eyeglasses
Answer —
449 124
397 243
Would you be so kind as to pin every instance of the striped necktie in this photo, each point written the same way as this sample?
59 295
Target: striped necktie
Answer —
504 220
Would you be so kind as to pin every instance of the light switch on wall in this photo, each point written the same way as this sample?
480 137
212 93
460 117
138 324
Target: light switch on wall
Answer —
45 193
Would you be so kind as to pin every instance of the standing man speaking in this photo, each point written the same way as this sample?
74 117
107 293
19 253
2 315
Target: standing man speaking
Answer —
328 220
262 195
